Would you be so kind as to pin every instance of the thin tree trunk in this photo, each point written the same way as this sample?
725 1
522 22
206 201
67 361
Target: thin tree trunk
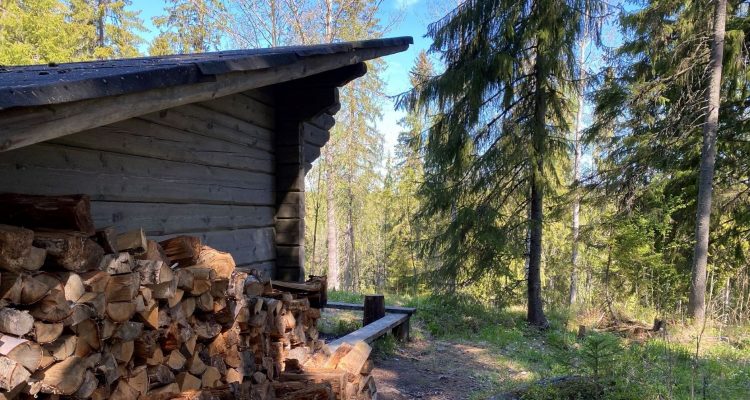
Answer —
101 13
315 225
576 176
535 313
332 234
697 305
351 268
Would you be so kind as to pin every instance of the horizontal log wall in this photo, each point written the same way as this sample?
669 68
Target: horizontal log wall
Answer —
204 169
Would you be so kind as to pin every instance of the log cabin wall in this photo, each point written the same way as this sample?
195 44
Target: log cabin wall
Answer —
204 169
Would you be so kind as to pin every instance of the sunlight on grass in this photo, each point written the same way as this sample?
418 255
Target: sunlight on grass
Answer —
619 368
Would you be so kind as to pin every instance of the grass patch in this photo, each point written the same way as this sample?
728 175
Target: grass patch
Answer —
337 323
609 366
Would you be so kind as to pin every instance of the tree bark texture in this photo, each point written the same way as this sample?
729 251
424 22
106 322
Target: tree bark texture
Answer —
697 304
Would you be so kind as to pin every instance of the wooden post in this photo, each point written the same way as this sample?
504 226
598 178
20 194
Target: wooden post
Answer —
374 308
401 332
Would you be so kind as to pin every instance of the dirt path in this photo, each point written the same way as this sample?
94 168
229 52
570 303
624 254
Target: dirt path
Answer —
439 370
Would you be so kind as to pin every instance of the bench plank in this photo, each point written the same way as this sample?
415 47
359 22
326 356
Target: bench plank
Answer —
371 331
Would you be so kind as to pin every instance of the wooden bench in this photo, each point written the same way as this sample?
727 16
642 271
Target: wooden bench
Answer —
396 320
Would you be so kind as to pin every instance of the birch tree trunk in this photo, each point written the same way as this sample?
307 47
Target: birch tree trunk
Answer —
697 304
572 298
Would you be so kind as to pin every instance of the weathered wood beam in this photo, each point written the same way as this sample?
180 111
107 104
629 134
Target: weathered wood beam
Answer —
26 126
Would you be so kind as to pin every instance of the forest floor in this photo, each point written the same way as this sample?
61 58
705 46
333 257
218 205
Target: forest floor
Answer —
432 369
464 351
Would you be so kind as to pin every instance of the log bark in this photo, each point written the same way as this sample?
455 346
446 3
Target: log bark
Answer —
22 351
16 249
48 212
15 322
71 251
697 297
12 374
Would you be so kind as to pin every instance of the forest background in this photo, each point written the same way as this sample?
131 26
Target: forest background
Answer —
384 213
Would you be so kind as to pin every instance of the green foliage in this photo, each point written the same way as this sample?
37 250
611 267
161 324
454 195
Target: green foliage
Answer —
599 353
43 31
385 346
38 31
189 26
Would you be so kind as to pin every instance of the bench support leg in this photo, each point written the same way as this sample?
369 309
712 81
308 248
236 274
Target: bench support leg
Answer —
401 332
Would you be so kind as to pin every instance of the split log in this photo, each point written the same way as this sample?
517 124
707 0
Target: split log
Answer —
138 379
159 375
120 263
123 351
335 358
22 351
88 387
123 391
97 302
12 374
166 290
172 388
153 272
48 212
42 332
222 263
73 286
154 252
211 378
123 287
176 360
183 250
107 238
120 311
355 359
64 377
107 367
89 338
187 382
134 242
16 250
128 330
71 251
195 365
63 347
95 281
22 288
15 322
53 307
316 391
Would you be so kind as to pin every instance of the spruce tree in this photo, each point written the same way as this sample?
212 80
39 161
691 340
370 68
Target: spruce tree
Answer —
502 115
189 26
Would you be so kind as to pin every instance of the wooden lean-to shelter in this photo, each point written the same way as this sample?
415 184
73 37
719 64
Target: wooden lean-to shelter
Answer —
212 145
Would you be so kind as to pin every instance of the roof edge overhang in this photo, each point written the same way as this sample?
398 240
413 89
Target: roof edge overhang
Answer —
53 117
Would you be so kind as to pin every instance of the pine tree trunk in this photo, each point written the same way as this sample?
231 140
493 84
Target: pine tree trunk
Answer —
697 305
332 231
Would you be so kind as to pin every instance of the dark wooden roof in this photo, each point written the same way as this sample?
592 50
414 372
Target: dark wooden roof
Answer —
36 85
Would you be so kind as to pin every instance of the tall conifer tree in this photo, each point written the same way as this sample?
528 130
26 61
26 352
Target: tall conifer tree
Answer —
502 119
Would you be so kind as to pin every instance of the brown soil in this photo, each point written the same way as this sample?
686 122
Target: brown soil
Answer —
437 370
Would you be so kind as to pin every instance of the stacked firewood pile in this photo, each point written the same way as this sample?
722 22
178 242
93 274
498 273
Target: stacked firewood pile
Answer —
95 314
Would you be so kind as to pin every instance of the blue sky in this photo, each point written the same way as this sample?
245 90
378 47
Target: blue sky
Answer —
412 18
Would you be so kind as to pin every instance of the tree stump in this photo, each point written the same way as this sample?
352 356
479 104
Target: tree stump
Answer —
374 308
